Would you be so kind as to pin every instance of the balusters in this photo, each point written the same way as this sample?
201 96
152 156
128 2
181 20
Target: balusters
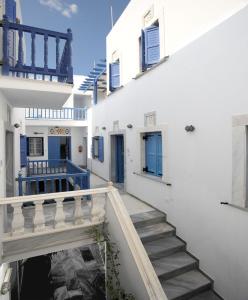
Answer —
59 220
46 52
78 213
33 51
57 54
69 58
20 51
18 219
97 208
5 69
39 219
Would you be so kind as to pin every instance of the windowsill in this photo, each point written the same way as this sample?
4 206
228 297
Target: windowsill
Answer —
238 207
152 68
153 178
115 90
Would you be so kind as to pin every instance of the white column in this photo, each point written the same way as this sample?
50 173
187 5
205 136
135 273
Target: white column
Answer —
18 219
78 213
59 220
39 219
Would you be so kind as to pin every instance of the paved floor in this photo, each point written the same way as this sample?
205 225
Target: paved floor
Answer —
132 204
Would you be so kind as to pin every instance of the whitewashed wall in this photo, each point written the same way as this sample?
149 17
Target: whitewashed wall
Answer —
204 84
180 22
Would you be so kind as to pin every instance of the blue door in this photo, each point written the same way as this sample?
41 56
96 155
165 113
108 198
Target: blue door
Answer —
119 158
54 147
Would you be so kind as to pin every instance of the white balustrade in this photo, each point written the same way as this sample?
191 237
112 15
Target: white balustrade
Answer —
59 220
31 219
39 218
18 219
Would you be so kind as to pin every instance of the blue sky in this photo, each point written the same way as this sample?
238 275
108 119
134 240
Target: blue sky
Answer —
89 20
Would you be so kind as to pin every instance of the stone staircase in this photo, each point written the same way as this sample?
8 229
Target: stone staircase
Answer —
177 270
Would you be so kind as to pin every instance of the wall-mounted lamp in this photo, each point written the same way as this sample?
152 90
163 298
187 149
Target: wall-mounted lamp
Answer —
129 126
103 128
35 132
16 125
190 128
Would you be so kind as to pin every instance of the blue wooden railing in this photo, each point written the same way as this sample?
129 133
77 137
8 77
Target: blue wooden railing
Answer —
68 113
63 71
49 176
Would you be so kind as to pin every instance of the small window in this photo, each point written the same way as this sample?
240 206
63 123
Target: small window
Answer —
150 46
153 153
98 148
114 75
35 146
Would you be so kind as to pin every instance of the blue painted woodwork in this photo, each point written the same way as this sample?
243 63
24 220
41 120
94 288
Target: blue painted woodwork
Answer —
10 11
77 114
68 150
119 148
101 149
95 92
52 173
114 73
53 147
63 71
153 153
151 44
23 151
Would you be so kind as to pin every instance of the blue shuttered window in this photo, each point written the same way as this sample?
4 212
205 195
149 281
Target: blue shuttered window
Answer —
101 149
114 75
153 153
98 148
23 151
150 54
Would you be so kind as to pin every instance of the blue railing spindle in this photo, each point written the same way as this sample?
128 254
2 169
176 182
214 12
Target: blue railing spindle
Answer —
33 51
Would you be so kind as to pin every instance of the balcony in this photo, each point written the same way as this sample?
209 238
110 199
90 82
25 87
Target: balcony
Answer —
68 113
27 84
50 176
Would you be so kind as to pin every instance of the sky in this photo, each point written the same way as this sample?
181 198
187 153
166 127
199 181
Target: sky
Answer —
90 21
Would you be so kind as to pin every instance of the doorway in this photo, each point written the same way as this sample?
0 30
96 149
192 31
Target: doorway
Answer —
117 158
59 147
9 159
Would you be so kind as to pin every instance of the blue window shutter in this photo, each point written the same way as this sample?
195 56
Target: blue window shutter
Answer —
152 45
151 153
101 149
159 155
114 76
95 93
92 148
23 151
142 51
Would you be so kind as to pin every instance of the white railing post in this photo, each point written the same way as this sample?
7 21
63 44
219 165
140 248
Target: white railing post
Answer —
39 219
78 213
18 219
59 220
98 206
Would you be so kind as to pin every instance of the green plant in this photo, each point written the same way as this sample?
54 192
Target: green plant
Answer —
114 289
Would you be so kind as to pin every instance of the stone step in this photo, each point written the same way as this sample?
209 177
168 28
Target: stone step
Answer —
186 285
148 218
209 295
155 231
164 246
173 265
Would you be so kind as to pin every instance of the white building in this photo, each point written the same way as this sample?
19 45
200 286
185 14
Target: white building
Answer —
197 77
168 127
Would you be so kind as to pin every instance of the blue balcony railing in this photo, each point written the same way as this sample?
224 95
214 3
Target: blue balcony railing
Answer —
68 113
63 71
50 176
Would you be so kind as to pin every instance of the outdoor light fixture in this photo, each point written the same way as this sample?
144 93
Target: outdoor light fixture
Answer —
129 126
16 125
190 128
103 128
